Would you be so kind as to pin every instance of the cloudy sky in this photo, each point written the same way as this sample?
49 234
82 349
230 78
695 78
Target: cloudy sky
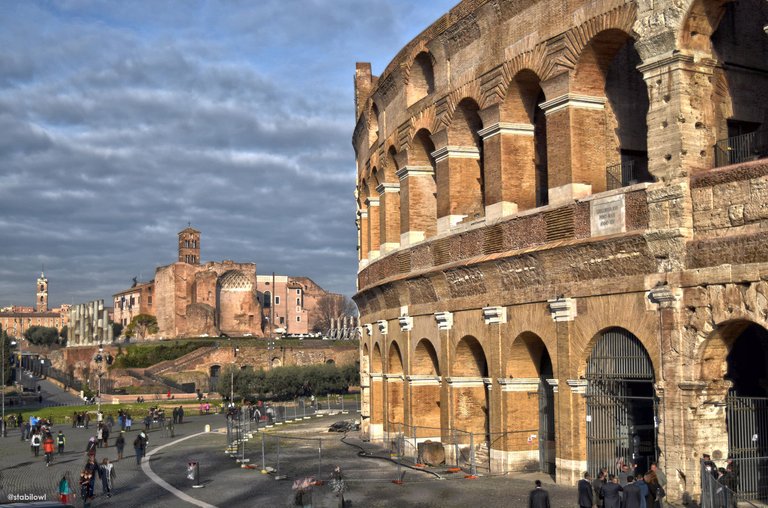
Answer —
122 121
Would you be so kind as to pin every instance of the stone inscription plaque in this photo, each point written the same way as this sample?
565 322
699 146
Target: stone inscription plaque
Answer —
607 216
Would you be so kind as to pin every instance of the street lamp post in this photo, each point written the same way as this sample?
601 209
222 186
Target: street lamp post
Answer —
232 376
99 359
270 348
2 423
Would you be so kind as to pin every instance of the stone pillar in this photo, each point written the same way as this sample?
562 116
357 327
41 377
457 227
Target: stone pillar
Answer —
458 195
363 218
373 228
681 120
510 170
521 411
389 216
376 425
576 153
418 219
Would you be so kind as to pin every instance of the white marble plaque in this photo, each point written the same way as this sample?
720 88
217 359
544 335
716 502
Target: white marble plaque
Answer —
607 215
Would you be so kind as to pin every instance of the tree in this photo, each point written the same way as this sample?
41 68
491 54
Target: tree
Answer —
141 326
41 335
6 344
117 329
331 306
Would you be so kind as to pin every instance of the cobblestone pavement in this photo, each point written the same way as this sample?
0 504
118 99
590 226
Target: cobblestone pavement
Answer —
227 484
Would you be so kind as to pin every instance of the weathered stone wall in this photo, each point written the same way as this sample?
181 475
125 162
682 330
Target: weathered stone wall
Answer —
497 276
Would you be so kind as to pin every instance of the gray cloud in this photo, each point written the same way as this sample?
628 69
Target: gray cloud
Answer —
123 121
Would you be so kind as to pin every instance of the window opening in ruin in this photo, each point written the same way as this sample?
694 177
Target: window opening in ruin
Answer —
747 411
540 153
267 299
622 423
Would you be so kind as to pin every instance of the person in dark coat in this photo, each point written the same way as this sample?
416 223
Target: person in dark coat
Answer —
597 485
538 498
586 497
632 495
611 493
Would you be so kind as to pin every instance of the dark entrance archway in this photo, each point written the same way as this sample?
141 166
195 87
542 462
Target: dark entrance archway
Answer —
621 403
546 415
747 408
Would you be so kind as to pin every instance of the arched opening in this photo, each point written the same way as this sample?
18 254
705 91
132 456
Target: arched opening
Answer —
469 395
389 203
276 362
374 233
421 81
737 354
330 361
466 179
740 46
395 392
418 191
425 390
529 364
215 370
377 364
607 71
526 146
235 303
621 403
377 392
373 125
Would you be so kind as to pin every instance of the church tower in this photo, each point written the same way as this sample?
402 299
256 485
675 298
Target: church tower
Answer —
42 293
189 246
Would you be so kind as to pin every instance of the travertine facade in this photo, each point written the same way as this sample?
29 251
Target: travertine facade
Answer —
545 187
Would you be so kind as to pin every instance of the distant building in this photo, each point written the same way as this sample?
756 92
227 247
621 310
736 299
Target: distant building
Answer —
17 319
134 301
193 299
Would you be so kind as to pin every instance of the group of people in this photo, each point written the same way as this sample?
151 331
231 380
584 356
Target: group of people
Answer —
722 483
627 489
87 482
81 420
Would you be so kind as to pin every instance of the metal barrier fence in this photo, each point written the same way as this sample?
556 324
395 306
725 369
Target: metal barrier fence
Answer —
745 482
473 452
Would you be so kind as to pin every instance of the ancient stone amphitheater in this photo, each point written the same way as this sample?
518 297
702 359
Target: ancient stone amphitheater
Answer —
563 226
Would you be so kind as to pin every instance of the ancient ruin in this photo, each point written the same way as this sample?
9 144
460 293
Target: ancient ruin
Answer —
89 325
562 237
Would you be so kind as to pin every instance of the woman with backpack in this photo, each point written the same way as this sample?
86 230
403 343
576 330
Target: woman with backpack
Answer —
34 443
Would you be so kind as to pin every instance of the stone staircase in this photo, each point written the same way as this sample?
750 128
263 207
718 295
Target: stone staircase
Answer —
482 458
179 363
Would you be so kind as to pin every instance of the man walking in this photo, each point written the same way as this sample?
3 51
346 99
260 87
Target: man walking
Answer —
538 498
586 498
60 440
139 446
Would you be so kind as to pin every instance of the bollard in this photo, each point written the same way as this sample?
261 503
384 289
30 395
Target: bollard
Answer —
193 473
207 428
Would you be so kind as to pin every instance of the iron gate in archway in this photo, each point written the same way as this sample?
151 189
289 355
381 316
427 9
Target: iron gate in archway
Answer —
748 444
621 404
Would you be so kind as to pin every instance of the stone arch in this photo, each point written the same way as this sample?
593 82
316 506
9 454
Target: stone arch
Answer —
425 361
373 124
699 24
365 366
579 37
377 364
214 370
394 359
529 368
421 78
236 303
527 150
716 351
469 359
464 174
418 189
276 362
389 167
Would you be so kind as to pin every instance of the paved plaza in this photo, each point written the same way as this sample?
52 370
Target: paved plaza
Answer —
227 484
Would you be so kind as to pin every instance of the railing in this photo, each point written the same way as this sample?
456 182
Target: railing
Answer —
622 174
743 483
743 148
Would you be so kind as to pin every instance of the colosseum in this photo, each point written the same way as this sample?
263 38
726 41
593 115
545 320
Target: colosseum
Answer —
563 217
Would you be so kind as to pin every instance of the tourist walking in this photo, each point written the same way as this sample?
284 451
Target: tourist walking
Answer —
65 489
105 436
60 441
85 482
586 496
107 475
34 444
538 498
597 485
139 446
120 444
338 485
48 448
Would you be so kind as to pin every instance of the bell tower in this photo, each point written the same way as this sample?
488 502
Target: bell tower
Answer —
189 246
42 293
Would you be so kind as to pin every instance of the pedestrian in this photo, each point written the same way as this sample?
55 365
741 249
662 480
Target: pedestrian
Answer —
181 415
85 481
107 475
645 491
147 422
538 498
93 469
632 494
128 422
597 485
105 436
34 444
61 440
99 434
623 475
48 448
90 448
120 444
139 446
65 489
611 493
87 419
175 414
586 496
